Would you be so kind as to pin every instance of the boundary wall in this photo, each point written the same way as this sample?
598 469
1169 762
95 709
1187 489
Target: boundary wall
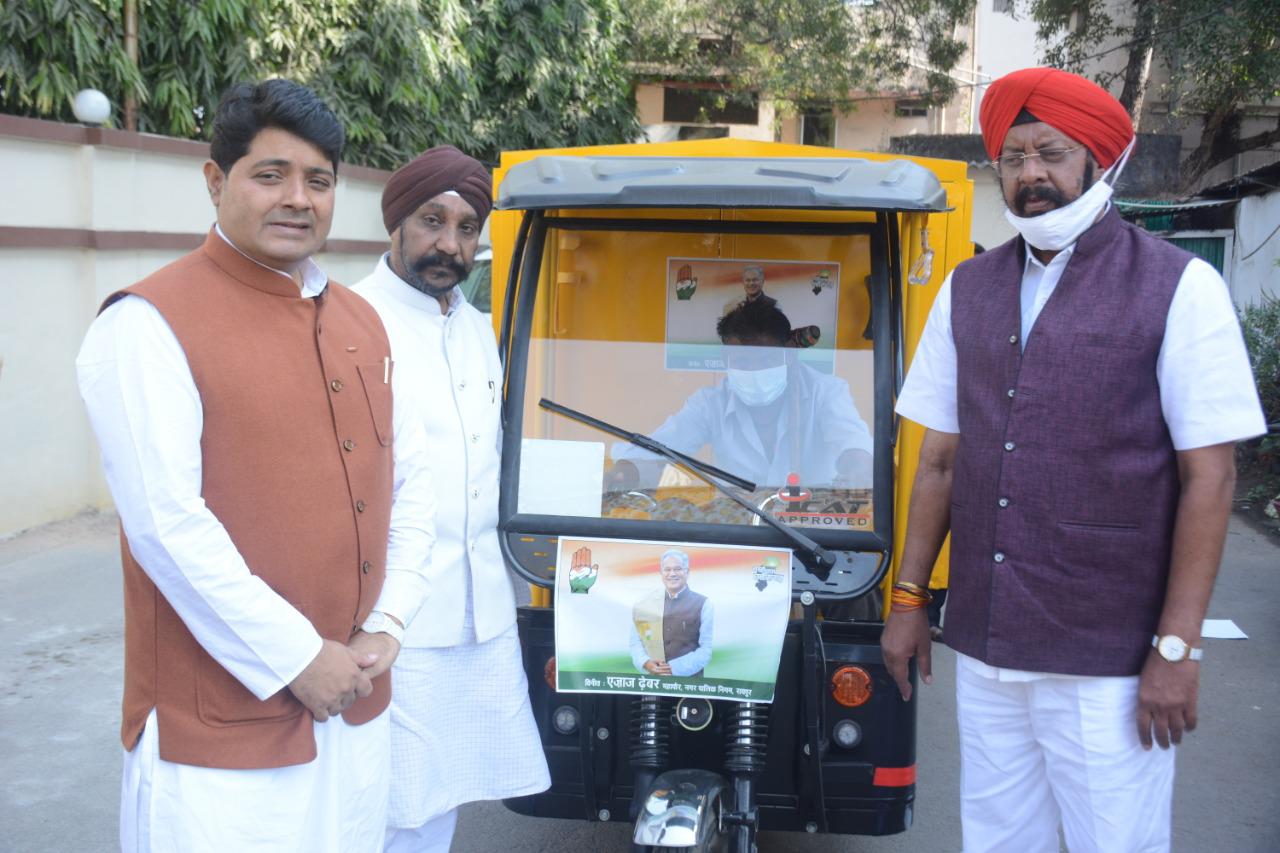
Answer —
83 212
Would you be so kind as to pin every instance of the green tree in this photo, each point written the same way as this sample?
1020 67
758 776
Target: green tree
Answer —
1221 57
401 74
801 52
50 49
555 74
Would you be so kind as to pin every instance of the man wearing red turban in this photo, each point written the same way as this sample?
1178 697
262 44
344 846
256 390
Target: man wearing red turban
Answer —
461 726
1081 387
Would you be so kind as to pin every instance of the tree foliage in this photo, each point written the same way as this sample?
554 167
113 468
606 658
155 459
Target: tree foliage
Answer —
1220 57
484 75
801 52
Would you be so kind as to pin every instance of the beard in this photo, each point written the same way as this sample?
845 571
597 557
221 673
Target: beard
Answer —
1049 193
416 274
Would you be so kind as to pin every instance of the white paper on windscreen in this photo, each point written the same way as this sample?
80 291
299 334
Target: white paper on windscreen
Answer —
561 477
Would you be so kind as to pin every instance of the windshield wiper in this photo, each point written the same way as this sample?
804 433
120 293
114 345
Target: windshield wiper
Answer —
816 558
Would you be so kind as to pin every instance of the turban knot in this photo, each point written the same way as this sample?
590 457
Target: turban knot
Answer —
1077 107
435 171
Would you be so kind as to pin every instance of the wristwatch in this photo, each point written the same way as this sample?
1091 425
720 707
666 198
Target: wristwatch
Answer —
1173 648
380 623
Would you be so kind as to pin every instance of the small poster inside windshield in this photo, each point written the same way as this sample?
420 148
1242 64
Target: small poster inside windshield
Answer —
700 291
670 619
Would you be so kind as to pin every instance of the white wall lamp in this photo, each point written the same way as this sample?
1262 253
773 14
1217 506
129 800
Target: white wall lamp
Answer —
91 107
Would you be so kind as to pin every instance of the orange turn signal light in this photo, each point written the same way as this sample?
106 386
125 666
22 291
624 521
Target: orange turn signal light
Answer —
549 672
851 686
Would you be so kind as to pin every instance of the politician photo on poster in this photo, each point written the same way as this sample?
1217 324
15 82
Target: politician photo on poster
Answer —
670 619
702 290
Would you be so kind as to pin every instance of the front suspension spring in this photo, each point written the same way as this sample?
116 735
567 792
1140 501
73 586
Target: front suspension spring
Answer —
746 734
650 731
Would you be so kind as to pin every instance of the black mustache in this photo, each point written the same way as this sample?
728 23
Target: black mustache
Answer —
436 260
1027 194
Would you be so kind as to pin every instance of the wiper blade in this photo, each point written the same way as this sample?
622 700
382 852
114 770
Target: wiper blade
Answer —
652 445
813 555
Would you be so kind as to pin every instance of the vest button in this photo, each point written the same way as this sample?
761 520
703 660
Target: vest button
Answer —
1009 445
366 566
1013 339
999 557
359 506
348 445
1003 502
336 385
1011 392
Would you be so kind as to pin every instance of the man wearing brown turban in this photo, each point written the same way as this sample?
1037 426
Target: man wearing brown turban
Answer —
460 708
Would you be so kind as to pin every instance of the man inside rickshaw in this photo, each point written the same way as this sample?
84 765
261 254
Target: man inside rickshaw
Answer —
772 416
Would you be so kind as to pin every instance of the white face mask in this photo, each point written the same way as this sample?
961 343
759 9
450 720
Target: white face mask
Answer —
1059 228
758 387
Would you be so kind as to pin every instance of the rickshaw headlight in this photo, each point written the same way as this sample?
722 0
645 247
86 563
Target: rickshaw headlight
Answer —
847 734
851 686
549 672
565 719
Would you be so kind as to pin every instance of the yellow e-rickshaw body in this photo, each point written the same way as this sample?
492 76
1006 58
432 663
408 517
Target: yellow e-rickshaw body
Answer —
945 234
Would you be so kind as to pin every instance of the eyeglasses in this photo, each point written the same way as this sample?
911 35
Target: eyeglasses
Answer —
1011 164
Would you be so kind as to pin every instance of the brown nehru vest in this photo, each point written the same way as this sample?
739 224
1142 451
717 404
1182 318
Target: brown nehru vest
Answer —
297 466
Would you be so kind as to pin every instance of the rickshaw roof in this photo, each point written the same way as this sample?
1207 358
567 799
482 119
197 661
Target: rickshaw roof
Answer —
814 183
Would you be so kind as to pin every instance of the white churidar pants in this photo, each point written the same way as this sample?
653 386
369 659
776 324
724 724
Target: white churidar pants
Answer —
1039 749
334 804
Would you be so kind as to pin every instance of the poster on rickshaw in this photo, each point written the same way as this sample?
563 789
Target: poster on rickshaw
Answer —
670 619
700 291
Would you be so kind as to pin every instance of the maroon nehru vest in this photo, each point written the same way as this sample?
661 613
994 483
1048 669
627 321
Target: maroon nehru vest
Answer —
1066 482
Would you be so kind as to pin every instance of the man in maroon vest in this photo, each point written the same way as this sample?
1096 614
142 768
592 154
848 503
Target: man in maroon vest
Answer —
275 506
1082 386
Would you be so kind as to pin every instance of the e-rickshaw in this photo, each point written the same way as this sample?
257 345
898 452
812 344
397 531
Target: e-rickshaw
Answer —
612 266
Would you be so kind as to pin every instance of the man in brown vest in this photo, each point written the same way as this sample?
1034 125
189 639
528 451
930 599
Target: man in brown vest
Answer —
275 507
686 620
1082 386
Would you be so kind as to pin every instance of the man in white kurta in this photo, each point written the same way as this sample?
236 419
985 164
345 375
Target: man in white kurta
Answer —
461 726
146 410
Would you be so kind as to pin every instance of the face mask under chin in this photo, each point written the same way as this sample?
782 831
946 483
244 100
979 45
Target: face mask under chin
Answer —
1057 229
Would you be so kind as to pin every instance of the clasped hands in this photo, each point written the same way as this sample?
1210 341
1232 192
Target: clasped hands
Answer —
657 667
339 674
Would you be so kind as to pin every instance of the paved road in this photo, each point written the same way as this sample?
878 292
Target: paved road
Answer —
60 662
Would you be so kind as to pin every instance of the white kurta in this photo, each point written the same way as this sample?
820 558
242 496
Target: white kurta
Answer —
461 726
146 412
1206 386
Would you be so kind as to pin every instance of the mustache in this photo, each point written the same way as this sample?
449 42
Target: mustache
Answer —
1038 193
438 261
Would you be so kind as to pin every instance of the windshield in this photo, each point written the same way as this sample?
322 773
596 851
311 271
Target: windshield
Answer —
750 352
